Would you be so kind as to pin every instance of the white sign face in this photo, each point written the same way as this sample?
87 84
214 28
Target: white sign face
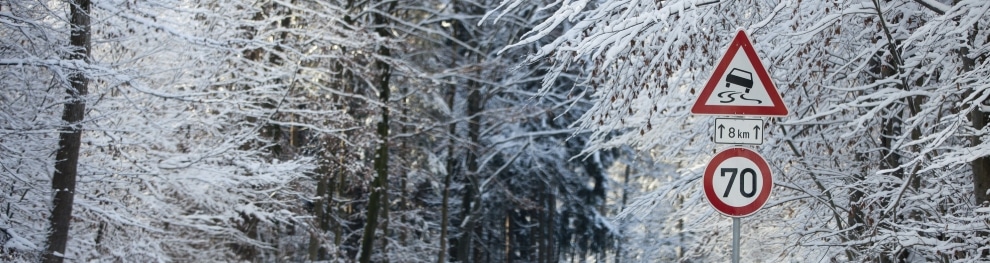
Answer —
737 182
738 131
740 85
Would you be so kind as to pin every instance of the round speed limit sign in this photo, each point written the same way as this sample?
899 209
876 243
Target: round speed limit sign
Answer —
737 182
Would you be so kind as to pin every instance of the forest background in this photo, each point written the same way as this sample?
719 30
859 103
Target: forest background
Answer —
483 131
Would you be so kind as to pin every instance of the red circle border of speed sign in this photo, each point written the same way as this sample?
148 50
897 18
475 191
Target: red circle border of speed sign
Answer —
709 186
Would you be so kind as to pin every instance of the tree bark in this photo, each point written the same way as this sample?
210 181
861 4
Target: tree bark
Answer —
320 207
444 218
379 186
553 250
445 203
474 129
464 246
625 196
981 166
67 156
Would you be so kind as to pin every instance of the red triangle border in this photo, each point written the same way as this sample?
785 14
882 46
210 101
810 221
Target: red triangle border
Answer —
778 109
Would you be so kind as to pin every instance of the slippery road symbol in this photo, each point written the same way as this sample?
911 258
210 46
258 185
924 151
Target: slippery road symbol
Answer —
740 78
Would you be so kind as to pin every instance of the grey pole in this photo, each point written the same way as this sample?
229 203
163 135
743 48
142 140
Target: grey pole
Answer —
735 240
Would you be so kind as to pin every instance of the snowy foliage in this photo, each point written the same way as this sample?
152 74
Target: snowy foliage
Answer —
875 161
184 157
231 130
227 130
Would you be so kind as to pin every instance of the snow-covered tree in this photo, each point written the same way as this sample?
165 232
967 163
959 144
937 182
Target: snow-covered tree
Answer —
196 120
881 157
231 130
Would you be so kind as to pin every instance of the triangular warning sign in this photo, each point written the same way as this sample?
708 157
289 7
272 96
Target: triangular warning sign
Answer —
740 85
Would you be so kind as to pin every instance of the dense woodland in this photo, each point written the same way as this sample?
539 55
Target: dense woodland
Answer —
483 130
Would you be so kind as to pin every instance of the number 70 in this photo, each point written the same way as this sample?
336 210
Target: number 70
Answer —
742 181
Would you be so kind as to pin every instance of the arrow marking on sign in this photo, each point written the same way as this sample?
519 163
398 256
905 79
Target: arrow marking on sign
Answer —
738 131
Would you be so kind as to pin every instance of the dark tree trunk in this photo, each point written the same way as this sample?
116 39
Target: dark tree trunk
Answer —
981 166
474 129
321 209
379 187
67 156
465 244
625 195
451 160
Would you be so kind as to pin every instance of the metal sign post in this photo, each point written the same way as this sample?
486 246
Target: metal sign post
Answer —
735 239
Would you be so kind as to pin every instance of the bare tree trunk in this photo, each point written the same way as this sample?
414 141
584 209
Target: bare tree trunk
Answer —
338 208
507 236
474 102
893 125
444 217
981 166
380 184
979 119
553 251
544 233
321 207
625 196
379 187
445 203
67 156
474 128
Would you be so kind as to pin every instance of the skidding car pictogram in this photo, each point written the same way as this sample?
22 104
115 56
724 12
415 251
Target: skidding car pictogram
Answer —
739 77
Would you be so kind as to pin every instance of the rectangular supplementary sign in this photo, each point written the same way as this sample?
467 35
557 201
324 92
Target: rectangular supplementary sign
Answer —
738 131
